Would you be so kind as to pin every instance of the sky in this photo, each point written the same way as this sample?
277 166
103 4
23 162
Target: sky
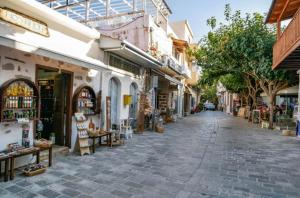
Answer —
198 11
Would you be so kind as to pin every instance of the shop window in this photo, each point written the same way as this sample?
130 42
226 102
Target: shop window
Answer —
121 63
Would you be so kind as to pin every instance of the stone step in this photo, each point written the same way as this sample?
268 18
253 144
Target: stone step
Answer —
56 150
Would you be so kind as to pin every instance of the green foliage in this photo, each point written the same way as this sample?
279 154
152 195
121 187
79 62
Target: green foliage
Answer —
233 83
208 93
241 46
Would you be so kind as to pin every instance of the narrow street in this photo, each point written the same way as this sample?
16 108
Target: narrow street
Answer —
207 155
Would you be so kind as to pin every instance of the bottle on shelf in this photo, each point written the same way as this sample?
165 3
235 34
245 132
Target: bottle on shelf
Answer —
91 125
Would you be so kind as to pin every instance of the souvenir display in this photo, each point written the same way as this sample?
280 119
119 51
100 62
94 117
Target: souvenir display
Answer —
34 169
19 100
84 101
82 134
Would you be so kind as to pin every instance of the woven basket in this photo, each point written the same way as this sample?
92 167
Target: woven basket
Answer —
159 129
42 143
36 172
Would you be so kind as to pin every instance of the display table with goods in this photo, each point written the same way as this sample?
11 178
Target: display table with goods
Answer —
4 158
115 138
19 100
45 145
98 134
19 151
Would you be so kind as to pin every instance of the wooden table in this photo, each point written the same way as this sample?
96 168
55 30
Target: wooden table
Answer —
108 139
14 155
50 154
6 159
115 133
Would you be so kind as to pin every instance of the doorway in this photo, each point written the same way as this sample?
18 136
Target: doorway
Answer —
114 94
134 104
55 88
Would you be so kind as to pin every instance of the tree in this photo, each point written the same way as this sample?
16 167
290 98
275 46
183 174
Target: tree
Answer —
243 47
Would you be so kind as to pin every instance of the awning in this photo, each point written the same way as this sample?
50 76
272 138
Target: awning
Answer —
80 61
173 80
128 51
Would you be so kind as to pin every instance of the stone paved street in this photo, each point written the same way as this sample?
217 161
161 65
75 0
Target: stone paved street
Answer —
207 155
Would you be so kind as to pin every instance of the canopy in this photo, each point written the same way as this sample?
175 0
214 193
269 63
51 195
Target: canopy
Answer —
126 50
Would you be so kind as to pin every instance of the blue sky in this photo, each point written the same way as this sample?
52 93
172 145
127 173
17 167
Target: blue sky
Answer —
198 11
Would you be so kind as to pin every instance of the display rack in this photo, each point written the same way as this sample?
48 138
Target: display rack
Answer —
82 134
19 100
84 101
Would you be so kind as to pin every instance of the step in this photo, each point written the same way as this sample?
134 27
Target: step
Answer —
56 150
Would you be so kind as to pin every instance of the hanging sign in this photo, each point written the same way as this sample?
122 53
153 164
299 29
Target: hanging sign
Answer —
24 21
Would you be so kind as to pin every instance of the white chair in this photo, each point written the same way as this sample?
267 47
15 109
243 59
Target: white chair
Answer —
125 128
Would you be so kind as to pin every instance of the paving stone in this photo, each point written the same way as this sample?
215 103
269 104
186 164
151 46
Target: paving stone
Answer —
14 189
49 193
120 193
27 194
70 192
24 183
209 154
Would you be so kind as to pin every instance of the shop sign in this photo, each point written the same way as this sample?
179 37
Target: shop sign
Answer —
24 21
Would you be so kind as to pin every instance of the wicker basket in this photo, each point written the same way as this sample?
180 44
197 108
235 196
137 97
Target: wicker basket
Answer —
93 133
33 173
159 129
43 143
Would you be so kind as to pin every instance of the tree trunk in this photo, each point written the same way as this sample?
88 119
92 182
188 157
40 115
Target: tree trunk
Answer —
254 102
271 97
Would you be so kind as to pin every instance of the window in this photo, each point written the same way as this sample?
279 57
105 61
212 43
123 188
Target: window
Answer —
121 63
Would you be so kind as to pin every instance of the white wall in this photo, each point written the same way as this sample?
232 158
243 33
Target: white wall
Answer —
125 82
61 39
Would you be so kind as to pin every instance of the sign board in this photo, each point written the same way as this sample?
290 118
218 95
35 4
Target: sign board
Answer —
108 113
24 21
141 115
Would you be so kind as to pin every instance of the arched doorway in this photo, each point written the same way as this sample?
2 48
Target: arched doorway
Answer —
134 105
114 93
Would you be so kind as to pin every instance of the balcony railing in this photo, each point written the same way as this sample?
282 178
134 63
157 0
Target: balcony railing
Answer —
288 41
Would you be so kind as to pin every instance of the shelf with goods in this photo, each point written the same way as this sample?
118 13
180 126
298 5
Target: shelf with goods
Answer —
84 101
82 134
19 100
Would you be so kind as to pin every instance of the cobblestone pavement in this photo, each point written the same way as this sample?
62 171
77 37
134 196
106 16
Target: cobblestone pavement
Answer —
207 155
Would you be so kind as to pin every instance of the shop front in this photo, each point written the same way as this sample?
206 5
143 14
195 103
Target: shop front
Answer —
169 98
129 84
49 69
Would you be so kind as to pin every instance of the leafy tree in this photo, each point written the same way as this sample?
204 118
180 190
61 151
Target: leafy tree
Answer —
243 48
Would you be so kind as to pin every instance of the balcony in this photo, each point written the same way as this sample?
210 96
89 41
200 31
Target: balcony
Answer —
186 72
286 50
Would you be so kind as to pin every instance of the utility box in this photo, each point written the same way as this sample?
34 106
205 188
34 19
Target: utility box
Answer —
127 99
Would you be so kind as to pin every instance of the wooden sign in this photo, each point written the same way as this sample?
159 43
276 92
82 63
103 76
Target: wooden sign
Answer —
108 113
99 108
141 115
24 21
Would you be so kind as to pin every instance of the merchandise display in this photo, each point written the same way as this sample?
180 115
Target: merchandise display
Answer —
19 100
82 134
84 101
34 169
